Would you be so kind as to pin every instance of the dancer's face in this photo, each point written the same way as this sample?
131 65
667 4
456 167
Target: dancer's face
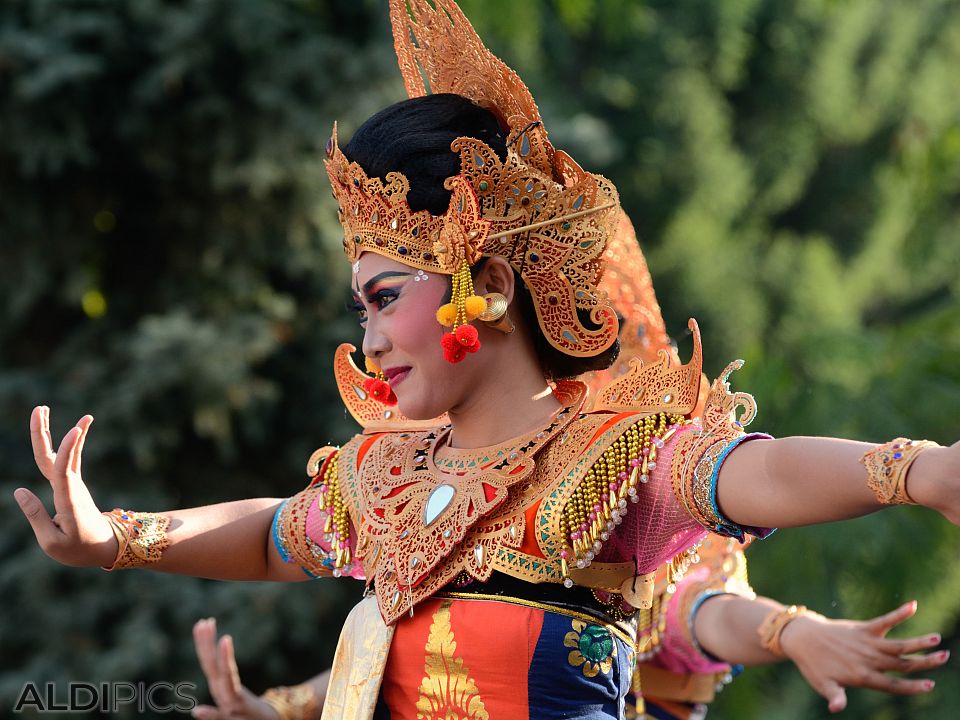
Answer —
397 306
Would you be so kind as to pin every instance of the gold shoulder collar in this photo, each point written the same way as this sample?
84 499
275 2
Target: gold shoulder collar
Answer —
417 527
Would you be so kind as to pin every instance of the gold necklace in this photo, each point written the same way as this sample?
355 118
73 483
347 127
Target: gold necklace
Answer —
458 461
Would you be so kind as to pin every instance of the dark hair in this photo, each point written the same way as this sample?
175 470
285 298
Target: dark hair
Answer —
413 137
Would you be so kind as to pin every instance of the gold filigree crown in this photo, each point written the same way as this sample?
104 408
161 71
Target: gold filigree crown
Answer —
537 208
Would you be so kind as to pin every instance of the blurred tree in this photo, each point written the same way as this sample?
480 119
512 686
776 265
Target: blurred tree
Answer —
170 263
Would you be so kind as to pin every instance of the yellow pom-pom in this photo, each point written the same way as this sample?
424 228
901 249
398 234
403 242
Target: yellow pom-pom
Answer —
447 314
474 305
371 366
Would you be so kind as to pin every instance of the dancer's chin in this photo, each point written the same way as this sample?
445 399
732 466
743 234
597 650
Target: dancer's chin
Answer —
413 406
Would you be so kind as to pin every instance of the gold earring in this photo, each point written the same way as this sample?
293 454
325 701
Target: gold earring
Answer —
496 313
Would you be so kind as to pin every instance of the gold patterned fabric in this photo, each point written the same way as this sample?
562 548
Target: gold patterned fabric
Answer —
447 690
358 664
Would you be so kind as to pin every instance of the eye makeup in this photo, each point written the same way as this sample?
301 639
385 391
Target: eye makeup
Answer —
380 291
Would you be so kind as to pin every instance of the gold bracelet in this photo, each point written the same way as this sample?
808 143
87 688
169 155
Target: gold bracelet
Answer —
299 702
773 624
142 537
887 466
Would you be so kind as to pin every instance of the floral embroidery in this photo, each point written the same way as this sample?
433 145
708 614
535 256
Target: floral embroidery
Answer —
594 648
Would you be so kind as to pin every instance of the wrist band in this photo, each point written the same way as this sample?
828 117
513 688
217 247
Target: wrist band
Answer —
142 537
772 626
887 466
299 702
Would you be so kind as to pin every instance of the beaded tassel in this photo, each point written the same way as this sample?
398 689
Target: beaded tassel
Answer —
599 503
337 524
464 307
651 625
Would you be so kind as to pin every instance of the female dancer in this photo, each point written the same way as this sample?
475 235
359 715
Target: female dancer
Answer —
499 525
695 635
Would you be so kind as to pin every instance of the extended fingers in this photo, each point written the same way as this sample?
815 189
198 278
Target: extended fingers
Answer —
907 646
207 712
204 633
228 663
62 462
835 696
883 624
895 685
40 439
915 663
84 425
46 532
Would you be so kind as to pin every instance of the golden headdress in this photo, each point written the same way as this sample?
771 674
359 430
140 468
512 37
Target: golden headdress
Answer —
537 208
648 375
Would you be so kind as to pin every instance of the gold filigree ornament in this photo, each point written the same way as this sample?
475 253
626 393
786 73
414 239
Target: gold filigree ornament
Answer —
721 413
537 208
141 537
629 286
662 386
420 526
372 414
695 457
887 467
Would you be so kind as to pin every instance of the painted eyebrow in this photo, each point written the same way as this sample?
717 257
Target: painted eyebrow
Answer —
382 276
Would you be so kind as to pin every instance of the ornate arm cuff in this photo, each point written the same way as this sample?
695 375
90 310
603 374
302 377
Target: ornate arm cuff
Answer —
696 470
699 456
142 537
887 467
299 702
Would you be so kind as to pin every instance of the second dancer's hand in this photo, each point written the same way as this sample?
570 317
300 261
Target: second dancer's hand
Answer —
78 534
836 654
232 700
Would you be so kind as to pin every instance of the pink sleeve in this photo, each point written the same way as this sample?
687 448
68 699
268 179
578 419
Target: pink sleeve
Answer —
299 536
655 527
679 651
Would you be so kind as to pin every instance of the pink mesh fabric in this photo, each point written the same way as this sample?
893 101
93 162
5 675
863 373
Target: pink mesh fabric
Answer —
677 653
316 517
657 527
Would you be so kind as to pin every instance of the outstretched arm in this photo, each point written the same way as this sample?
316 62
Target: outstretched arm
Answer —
228 541
805 480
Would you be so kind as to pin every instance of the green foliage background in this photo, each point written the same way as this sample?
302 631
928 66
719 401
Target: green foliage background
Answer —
169 262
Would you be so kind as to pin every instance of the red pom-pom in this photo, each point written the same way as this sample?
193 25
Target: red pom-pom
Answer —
449 342
466 335
454 356
472 348
380 391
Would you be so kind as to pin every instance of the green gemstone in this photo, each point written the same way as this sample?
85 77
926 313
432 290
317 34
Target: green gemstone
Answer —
595 645
483 185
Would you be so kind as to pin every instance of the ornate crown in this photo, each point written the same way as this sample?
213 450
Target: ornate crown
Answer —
537 208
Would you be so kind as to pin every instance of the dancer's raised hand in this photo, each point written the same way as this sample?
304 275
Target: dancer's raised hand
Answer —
77 534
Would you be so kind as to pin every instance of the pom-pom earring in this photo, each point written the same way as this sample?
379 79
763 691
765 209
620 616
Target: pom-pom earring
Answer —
377 386
464 307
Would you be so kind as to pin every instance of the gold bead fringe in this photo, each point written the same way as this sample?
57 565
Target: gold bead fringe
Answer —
599 503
